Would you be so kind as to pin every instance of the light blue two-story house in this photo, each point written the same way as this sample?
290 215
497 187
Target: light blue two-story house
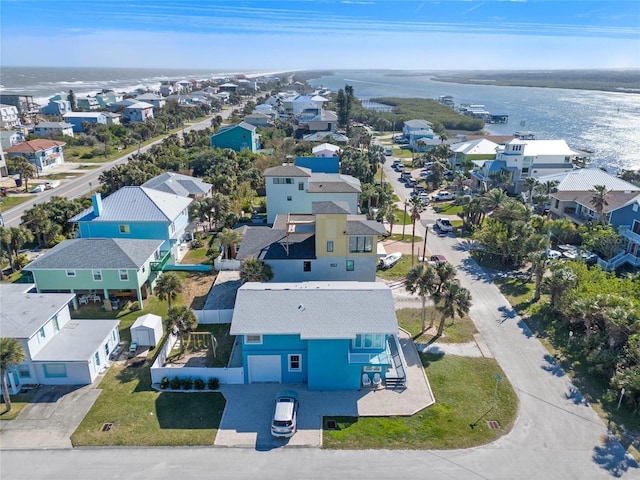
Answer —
289 335
137 212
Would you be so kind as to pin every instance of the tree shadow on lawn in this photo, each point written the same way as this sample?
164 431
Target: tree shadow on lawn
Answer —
428 358
137 370
181 411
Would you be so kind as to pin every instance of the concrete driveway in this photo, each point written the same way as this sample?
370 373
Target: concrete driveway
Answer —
50 418
246 421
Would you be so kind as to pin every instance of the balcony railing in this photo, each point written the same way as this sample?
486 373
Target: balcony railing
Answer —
379 358
159 264
629 234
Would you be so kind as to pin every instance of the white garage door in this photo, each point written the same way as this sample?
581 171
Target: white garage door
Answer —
264 368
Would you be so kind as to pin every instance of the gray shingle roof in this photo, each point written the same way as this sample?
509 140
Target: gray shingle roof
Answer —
270 244
287 171
333 183
615 200
178 184
25 313
301 308
96 253
137 204
358 225
329 207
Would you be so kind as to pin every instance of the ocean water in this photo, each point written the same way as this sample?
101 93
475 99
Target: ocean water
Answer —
44 82
606 123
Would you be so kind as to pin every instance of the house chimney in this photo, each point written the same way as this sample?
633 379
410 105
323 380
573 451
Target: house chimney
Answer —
96 199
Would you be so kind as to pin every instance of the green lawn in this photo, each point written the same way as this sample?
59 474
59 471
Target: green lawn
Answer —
463 388
448 208
459 331
18 402
9 202
197 256
144 417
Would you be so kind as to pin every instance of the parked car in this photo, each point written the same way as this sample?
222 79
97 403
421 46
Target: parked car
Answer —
388 151
437 258
442 196
38 189
285 415
52 184
444 225
424 196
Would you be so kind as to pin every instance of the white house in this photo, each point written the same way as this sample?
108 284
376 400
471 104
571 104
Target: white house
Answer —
325 150
52 128
9 116
295 189
522 159
156 100
59 350
138 112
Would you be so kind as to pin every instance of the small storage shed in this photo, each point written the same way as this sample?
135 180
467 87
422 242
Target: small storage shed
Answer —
147 330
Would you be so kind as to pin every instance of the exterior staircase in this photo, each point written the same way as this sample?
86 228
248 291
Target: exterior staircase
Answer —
396 378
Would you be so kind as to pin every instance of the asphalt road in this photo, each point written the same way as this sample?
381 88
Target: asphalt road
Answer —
557 435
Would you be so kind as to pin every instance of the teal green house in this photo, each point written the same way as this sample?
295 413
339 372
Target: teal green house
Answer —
237 137
290 335
99 270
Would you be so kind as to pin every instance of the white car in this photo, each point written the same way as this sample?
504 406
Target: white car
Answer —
444 225
442 196
285 416
424 196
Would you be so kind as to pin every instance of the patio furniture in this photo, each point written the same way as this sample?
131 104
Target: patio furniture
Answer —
95 298
366 380
84 300
377 380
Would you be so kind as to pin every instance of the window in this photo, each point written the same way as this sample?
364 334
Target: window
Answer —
306 266
295 363
288 199
106 349
97 356
368 340
124 229
56 326
350 266
124 275
24 371
253 339
42 333
113 335
567 159
360 244
71 273
97 275
300 185
329 245
283 181
557 204
54 370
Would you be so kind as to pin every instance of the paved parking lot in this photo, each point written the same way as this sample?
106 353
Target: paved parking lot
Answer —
246 421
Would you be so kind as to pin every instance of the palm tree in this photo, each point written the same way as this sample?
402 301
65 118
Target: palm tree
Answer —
599 201
11 354
229 239
493 199
253 270
423 279
181 320
167 287
531 184
456 300
19 236
416 207
24 168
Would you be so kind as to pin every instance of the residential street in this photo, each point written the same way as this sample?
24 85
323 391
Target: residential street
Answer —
556 435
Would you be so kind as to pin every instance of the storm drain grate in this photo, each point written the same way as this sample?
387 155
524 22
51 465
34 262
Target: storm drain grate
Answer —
493 424
107 426
332 425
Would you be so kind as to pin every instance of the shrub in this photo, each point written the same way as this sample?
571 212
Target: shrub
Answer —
187 383
164 383
213 383
198 383
174 383
86 156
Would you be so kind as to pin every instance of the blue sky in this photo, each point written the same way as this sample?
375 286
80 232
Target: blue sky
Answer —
321 34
